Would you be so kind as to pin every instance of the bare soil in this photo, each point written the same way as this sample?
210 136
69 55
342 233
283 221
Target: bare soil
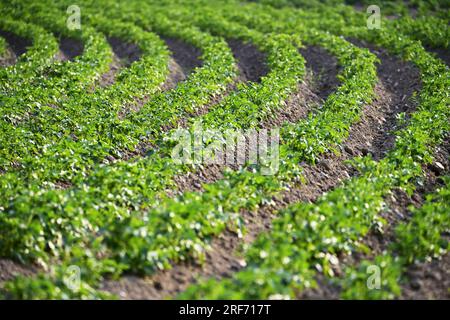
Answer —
16 46
69 49
124 54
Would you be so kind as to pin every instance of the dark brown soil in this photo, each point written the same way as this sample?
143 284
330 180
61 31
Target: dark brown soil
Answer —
186 55
69 49
428 280
251 61
184 59
220 262
304 100
124 54
18 44
423 280
324 68
251 64
373 134
127 52
177 74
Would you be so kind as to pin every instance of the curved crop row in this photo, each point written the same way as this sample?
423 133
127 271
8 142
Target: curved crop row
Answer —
26 104
432 31
39 56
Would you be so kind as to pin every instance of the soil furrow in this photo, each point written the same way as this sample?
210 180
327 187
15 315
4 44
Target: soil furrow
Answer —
183 60
428 280
124 54
69 49
422 278
177 75
16 46
251 61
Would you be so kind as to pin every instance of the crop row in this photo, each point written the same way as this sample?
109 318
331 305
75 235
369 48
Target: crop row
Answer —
39 56
430 30
3 46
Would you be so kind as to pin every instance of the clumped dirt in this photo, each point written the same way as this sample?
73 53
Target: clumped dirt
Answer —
372 135
423 280
220 262
324 68
307 96
177 74
251 64
9 269
428 280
